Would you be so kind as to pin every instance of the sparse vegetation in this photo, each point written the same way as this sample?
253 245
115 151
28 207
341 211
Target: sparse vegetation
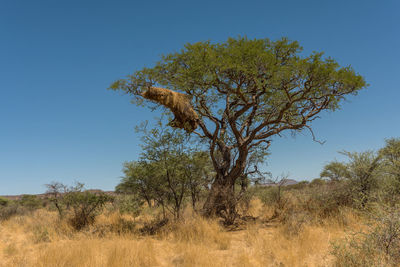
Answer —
349 217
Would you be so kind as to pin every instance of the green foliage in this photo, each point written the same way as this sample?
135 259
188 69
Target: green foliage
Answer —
167 171
4 201
6 212
270 195
85 207
129 204
139 179
335 171
199 174
391 163
317 182
300 185
9 208
208 69
363 174
31 202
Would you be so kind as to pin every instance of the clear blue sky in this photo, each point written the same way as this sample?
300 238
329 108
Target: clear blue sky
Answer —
58 121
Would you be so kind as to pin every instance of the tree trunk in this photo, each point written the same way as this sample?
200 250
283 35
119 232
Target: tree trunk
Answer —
221 200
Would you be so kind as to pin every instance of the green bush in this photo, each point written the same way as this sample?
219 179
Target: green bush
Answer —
129 204
317 182
30 202
84 207
4 201
12 209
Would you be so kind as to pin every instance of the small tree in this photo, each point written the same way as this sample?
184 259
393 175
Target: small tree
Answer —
56 192
363 173
168 170
167 152
138 179
335 171
244 92
85 206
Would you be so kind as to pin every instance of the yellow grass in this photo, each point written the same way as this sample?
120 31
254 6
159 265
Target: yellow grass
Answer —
40 239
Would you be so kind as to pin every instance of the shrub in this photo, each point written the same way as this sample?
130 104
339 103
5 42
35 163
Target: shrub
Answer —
85 207
317 182
6 212
380 246
327 199
4 201
129 204
30 202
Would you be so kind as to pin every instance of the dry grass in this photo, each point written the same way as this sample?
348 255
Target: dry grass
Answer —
40 239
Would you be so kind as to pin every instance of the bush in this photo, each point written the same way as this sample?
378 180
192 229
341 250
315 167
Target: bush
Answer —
4 201
275 197
6 212
317 182
85 207
129 204
380 246
326 200
30 202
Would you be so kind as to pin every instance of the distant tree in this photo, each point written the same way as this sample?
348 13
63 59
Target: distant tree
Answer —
56 192
335 171
317 182
84 205
138 179
244 92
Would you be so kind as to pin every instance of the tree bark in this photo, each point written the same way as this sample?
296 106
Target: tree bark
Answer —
221 200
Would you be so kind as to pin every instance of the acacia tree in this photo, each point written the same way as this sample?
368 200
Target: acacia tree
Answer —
335 171
245 92
138 179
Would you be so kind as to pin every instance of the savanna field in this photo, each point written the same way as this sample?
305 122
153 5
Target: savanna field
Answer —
199 133
321 223
40 238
